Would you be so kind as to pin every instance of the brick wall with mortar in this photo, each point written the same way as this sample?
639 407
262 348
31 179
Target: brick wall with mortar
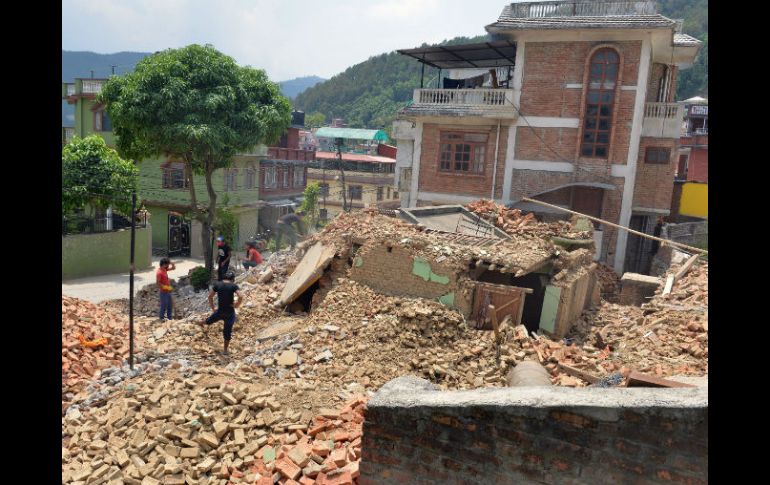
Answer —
389 271
654 181
433 180
417 435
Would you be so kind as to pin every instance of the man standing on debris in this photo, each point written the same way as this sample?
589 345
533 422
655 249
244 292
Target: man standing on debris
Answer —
284 227
223 258
253 257
225 291
164 287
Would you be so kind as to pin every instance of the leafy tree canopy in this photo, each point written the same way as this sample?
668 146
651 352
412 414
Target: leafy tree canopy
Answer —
93 174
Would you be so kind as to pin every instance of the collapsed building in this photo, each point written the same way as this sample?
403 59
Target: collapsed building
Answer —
474 269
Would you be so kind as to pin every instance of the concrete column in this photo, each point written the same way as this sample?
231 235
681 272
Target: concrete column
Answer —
417 153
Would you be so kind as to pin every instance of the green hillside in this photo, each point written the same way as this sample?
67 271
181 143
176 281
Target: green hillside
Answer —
367 95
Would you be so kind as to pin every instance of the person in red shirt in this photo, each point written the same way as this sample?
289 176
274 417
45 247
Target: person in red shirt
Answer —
253 257
164 287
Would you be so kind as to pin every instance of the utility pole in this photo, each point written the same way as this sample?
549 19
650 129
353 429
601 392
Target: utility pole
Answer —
131 284
338 142
113 69
92 74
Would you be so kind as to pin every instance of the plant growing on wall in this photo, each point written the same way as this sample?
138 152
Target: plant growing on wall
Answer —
310 203
94 175
196 105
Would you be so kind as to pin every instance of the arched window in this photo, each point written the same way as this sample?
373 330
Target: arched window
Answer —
600 98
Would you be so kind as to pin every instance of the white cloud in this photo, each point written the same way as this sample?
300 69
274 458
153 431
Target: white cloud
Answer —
400 8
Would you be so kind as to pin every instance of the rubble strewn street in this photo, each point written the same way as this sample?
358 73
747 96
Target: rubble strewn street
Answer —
286 405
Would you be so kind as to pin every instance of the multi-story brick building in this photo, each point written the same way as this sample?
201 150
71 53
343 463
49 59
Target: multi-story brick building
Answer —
571 103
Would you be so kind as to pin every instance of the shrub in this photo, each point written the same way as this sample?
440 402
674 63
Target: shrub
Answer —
199 278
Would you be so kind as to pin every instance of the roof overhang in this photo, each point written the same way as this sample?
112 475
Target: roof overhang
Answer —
466 56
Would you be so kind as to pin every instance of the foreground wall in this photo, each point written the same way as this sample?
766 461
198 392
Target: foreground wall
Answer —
415 434
104 253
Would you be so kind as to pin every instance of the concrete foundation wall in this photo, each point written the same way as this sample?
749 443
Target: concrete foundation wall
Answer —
104 253
415 434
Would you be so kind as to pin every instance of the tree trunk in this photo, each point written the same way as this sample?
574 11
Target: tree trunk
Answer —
208 222
205 239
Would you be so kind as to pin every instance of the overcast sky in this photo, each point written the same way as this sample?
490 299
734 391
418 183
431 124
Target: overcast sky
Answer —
287 38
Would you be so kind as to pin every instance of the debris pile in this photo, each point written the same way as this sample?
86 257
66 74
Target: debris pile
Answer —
208 427
514 222
92 339
609 282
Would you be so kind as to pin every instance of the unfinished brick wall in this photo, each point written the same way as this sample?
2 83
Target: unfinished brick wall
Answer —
413 434
655 182
541 143
464 184
388 269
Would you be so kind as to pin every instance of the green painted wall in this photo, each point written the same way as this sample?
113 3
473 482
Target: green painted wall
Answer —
159 222
550 308
422 268
104 253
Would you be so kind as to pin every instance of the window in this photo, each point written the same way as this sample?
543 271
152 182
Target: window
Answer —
379 193
285 172
462 152
251 176
388 192
174 176
299 176
355 192
657 155
324 189
102 121
231 178
323 214
600 99
271 179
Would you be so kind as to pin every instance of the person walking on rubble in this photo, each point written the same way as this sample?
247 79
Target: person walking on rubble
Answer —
284 227
226 291
165 288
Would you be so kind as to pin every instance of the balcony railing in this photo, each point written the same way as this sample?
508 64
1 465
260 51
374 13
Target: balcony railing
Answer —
497 98
277 153
590 8
92 86
663 120
70 89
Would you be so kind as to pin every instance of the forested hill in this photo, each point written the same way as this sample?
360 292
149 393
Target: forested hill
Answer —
367 95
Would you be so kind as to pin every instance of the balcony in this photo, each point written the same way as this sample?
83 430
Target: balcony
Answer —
92 86
70 89
663 120
577 8
278 153
488 98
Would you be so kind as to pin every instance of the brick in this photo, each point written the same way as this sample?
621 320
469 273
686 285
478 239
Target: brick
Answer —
150 481
298 456
338 456
189 452
287 468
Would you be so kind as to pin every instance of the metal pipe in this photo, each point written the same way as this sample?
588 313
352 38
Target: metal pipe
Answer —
131 285
494 171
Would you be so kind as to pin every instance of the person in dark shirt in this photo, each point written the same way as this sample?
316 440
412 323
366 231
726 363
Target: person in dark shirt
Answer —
225 290
285 227
223 258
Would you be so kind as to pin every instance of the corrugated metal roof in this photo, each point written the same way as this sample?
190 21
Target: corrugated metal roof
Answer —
479 55
354 157
351 133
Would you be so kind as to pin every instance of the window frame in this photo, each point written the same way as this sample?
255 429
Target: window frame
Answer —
230 177
653 149
250 178
273 172
593 110
359 189
167 170
298 177
473 163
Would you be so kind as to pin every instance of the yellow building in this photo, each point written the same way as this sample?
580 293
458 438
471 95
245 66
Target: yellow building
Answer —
369 181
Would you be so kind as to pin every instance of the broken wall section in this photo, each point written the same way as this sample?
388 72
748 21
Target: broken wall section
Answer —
394 270
415 434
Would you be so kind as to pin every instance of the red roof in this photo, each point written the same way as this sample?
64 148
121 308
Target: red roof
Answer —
354 157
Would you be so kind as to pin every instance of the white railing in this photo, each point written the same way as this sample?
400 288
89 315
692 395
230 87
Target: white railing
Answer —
71 89
465 97
662 110
69 133
92 87
663 120
591 8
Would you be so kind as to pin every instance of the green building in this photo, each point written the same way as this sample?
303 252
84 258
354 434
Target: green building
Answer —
163 187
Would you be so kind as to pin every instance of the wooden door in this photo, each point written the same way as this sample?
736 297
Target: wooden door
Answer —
508 299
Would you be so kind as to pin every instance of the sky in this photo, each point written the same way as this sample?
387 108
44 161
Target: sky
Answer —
286 38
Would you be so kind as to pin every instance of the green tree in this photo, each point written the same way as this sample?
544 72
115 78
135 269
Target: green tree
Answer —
226 223
197 105
310 202
94 175
315 120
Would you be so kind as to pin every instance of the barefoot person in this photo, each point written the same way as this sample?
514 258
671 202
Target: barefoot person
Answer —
225 291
